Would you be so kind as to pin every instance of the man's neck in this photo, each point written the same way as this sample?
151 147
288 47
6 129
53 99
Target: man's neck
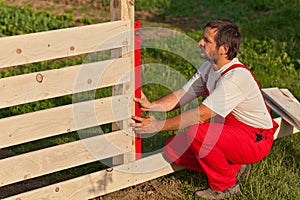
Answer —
221 63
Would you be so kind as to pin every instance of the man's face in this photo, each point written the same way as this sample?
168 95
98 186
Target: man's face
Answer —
208 45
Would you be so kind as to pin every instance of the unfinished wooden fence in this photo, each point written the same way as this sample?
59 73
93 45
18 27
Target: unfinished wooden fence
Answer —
119 145
116 72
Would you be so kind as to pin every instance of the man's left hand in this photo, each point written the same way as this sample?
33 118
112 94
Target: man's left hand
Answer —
146 125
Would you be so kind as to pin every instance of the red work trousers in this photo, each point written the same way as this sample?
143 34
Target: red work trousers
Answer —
218 149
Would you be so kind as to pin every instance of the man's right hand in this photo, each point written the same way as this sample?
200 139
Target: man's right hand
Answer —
146 105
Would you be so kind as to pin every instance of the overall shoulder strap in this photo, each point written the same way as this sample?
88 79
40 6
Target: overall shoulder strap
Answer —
275 125
233 67
240 66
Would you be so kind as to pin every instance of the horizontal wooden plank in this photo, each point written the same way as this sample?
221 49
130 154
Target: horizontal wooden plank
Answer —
46 161
45 123
105 181
284 129
283 104
54 83
280 112
35 47
288 93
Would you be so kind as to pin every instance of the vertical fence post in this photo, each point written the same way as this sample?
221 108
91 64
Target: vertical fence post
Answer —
124 10
138 81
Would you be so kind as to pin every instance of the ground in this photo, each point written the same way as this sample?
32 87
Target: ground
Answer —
152 190
99 12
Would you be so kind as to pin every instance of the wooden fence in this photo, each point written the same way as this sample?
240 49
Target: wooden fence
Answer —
116 73
119 145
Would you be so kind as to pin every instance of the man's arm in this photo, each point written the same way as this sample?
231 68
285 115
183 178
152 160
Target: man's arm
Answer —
194 116
166 103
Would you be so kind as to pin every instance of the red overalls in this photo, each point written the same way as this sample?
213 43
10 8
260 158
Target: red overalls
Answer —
219 148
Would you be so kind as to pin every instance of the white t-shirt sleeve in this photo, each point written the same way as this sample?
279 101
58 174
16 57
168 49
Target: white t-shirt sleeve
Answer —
195 85
226 96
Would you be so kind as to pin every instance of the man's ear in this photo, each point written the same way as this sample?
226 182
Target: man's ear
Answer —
224 49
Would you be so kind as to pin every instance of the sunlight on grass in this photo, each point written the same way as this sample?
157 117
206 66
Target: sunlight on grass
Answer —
270 47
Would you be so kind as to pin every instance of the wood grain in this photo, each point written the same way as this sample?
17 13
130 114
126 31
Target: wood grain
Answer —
36 47
103 182
49 160
284 104
59 82
46 123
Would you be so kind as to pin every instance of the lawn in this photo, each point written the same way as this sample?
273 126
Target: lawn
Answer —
270 48
271 37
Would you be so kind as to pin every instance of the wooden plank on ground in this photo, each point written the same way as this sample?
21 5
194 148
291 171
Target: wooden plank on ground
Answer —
36 47
54 83
284 129
45 123
284 105
287 93
53 159
103 182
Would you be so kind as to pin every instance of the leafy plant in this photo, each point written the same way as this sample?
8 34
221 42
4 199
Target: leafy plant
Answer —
15 21
271 64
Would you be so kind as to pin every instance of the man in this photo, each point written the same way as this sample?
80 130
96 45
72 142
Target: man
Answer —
240 130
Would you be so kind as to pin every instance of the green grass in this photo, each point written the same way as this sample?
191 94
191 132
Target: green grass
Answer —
275 177
270 48
271 30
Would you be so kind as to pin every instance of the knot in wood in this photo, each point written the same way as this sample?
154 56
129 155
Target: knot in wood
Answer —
57 189
72 48
131 2
19 51
39 78
89 81
109 169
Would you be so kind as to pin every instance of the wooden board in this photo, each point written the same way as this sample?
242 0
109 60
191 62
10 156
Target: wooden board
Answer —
124 10
284 104
284 129
45 123
111 180
54 83
46 161
103 182
36 47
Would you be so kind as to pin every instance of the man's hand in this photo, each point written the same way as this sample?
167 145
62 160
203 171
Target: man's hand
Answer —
146 125
143 102
146 105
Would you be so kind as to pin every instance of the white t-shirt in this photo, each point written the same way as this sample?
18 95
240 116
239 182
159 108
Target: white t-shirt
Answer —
235 92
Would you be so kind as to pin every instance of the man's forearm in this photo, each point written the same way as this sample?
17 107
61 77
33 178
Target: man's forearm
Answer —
149 124
172 101
165 104
194 116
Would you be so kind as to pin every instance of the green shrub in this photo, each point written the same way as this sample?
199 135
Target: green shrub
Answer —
150 5
15 21
271 64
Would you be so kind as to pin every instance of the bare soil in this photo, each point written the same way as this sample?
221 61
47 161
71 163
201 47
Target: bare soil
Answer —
99 12
152 190
92 9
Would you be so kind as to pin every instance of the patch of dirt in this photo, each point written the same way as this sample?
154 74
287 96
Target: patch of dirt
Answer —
95 10
152 190
99 12
162 189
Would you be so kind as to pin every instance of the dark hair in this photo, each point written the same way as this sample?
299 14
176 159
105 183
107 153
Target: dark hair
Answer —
227 34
